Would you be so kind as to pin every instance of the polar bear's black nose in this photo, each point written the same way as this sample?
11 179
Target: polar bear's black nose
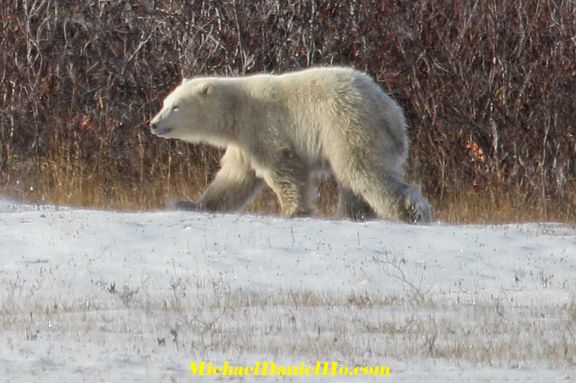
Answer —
153 127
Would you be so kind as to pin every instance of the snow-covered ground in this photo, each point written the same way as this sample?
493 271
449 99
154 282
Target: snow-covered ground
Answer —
90 296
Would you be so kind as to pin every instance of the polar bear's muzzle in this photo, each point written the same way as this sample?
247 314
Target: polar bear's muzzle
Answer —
160 130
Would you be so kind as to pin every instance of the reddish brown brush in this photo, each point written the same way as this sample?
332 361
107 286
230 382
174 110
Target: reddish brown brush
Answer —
488 88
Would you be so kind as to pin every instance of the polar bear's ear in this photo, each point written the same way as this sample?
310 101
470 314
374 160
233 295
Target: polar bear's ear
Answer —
204 89
184 79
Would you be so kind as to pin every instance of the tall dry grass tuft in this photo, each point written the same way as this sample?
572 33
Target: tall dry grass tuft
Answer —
487 87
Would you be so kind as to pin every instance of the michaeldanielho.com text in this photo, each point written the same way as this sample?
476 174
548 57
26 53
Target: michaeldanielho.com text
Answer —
272 369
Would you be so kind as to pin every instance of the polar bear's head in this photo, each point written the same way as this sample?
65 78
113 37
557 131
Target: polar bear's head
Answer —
192 112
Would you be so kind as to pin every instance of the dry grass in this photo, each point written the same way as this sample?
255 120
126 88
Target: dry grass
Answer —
499 204
68 187
487 88
208 318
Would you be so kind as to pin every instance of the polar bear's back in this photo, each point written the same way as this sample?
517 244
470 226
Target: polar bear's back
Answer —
324 112
340 106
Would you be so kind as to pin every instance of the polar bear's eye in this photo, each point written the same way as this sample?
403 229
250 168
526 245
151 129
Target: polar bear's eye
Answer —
175 108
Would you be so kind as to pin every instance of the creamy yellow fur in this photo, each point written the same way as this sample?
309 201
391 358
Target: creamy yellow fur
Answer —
283 128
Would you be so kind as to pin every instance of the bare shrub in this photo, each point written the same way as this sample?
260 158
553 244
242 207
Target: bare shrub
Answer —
487 87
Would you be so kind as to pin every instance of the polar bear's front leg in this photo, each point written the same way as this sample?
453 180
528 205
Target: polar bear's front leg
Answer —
289 178
234 186
227 193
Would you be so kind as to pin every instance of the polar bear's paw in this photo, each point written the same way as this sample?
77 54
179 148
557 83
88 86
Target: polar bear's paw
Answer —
416 208
188 205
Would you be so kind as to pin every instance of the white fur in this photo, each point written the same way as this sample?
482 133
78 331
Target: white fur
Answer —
282 128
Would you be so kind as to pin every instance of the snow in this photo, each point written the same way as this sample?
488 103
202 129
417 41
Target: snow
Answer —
112 296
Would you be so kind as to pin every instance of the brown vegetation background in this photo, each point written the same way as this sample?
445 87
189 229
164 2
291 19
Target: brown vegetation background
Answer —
488 88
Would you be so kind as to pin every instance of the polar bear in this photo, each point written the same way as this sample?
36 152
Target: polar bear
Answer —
281 130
